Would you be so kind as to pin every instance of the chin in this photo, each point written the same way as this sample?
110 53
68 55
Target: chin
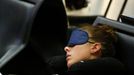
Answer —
70 63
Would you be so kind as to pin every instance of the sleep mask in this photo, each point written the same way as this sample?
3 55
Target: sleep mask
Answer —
78 37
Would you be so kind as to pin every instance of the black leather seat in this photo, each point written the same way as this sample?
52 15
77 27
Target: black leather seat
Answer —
48 36
74 20
125 44
126 19
16 17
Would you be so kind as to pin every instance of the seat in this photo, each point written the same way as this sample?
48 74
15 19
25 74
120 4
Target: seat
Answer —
126 19
74 20
125 43
48 35
16 18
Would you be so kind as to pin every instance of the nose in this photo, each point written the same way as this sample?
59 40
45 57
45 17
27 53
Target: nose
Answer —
67 49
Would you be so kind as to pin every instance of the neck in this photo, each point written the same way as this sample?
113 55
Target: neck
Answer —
93 57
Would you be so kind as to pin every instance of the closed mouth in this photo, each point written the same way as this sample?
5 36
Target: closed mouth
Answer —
67 57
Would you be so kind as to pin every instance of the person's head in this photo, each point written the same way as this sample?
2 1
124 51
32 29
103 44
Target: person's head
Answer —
76 4
90 42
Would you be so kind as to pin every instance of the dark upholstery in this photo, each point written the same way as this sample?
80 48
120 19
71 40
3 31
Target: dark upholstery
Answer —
125 43
74 20
16 17
58 64
115 24
102 66
126 19
48 36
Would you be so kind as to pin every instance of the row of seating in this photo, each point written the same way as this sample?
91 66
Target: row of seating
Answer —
31 31
38 28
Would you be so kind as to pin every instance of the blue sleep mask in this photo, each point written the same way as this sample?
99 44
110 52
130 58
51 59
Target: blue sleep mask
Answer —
78 37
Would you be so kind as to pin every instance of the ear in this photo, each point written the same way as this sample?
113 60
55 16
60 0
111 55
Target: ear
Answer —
96 47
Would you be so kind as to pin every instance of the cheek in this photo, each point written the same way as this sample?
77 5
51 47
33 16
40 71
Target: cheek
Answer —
78 54
81 54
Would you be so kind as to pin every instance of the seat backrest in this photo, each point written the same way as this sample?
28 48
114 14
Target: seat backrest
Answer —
126 19
16 17
74 20
49 29
125 44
